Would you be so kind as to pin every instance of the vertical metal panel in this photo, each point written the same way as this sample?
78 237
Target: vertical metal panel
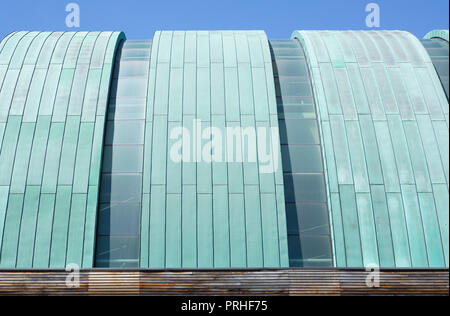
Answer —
199 80
404 156
37 95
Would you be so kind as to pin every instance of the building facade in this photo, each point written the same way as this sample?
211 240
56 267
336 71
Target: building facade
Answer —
224 149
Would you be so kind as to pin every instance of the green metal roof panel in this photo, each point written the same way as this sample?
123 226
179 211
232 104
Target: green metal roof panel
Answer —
384 125
210 214
442 34
51 126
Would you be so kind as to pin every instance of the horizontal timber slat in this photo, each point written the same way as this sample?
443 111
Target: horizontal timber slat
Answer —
336 282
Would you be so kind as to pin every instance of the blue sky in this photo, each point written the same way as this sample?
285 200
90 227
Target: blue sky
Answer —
140 18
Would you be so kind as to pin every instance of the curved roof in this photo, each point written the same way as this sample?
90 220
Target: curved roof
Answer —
384 121
52 107
442 34
224 79
188 153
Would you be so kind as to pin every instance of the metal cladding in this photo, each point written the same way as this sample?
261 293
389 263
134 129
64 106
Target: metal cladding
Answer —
384 122
108 155
195 213
53 100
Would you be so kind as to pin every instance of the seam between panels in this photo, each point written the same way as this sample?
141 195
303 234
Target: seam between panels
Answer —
15 152
386 68
105 115
21 123
32 75
92 141
147 119
96 116
257 159
78 143
243 146
181 164
6 39
372 206
357 39
167 194
62 142
431 121
380 99
416 125
76 149
429 174
115 62
62 139
272 146
48 133
153 135
210 139
168 137
21 36
416 193
226 149
227 185
396 65
196 152
29 158
240 124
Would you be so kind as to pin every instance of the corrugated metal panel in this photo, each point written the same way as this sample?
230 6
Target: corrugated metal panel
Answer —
226 283
384 119
53 100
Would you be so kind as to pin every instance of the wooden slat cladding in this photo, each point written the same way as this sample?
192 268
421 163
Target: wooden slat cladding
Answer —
226 283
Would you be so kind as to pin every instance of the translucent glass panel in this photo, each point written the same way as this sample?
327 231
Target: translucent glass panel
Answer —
438 51
119 221
383 117
53 98
304 180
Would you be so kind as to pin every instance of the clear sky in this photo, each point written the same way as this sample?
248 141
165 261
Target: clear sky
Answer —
140 18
